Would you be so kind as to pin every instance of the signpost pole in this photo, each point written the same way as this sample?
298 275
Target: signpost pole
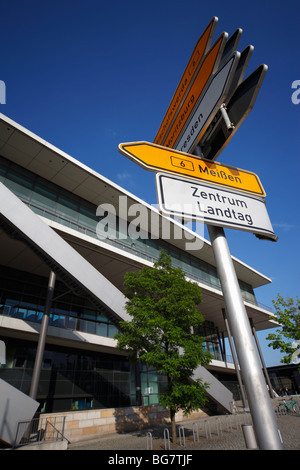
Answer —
263 416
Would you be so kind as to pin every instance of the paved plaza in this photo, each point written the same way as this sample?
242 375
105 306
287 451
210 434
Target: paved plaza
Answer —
215 433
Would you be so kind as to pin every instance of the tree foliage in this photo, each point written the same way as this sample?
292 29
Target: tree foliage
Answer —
287 337
163 331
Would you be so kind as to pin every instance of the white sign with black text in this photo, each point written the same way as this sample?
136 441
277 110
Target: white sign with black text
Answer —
210 103
213 205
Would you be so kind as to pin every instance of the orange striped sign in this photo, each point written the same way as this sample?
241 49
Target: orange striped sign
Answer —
208 67
185 83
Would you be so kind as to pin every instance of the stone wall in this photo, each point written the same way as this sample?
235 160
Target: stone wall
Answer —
92 424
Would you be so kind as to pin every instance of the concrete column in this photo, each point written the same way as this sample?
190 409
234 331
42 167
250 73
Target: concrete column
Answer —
42 339
236 365
262 360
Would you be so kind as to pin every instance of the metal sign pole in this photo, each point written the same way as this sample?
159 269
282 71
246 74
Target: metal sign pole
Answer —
262 413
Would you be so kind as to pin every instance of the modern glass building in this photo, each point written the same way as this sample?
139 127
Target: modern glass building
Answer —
49 222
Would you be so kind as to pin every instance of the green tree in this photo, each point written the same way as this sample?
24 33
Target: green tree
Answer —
287 337
163 332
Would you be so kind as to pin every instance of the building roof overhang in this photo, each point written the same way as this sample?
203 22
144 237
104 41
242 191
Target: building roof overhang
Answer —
42 158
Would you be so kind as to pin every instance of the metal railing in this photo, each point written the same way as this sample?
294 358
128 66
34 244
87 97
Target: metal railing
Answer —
209 428
40 430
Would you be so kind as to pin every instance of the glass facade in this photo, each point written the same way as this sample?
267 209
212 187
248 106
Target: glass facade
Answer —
211 338
152 384
23 296
71 379
55 203
74 379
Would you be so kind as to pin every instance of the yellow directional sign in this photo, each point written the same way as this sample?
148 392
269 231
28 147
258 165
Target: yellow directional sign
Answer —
156 158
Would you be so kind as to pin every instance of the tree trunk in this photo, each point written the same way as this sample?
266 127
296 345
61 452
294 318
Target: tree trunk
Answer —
173 426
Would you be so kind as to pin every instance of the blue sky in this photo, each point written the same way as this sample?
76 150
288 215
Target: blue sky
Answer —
88 75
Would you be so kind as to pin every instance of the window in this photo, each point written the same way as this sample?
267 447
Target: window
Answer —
211 339
87 216
70 311
67 207
17 182
44 196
